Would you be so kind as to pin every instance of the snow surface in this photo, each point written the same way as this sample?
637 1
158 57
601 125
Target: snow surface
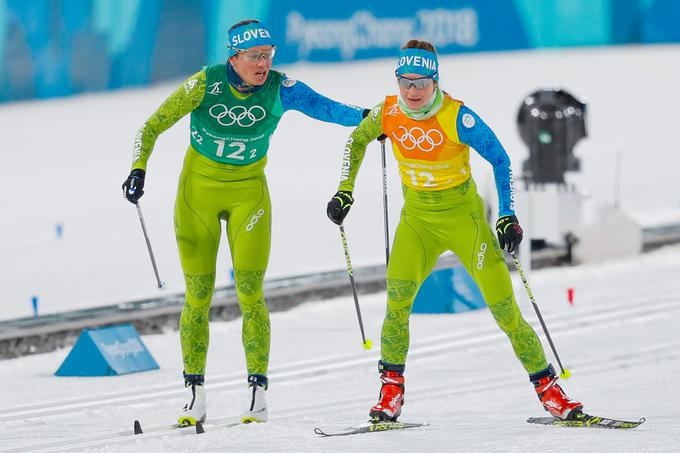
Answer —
619 339
64 161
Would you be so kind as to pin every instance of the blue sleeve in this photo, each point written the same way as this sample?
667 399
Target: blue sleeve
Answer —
474 132
295 95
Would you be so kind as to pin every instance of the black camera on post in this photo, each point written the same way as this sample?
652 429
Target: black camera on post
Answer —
550 123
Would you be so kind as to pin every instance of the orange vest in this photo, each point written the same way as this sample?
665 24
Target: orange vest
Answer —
428 152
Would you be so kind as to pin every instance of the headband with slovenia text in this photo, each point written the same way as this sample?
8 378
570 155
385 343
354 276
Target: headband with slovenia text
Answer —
249 35
418 61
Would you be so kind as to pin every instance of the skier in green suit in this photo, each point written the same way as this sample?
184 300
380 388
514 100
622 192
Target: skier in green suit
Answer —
235 108
431 135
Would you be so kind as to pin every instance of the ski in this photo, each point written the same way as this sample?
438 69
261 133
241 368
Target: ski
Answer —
137 428
582 420
369 427
199 428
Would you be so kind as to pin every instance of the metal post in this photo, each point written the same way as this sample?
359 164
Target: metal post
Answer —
148 246
385 216
565 373
367 343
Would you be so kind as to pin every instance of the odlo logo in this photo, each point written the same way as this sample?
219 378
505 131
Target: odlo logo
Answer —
254 219
481 256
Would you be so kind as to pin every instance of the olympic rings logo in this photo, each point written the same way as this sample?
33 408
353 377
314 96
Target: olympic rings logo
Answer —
416 137
244 117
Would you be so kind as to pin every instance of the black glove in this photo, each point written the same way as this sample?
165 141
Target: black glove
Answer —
338 207
133 187
509 232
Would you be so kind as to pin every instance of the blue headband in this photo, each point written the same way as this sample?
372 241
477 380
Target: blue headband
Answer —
418 61
247 36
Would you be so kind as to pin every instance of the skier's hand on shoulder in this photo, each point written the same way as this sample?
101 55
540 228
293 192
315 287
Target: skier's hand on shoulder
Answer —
133 187
338 207
509 232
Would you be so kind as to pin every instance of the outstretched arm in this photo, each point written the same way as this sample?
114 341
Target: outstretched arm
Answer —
368 130
295 95
355 149
476 133
184 100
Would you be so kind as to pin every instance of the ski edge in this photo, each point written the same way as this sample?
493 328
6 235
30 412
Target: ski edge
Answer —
589 421
138 430
369 427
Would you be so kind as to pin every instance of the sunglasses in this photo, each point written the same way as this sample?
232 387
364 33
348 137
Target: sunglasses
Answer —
420 83
254 56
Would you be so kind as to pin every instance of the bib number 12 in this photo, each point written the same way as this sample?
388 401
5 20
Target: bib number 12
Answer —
428 178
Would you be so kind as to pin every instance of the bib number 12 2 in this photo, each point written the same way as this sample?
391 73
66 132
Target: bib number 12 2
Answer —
239 149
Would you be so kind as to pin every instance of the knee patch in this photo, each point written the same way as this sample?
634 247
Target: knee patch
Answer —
401 292
506 313
199 289
249 285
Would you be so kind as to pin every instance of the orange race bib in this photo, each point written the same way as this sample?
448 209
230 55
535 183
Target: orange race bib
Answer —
428 152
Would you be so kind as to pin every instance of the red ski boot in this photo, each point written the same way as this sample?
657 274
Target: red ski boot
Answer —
391 397
552 396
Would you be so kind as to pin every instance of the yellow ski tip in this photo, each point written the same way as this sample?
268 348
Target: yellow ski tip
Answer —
566 374
368 344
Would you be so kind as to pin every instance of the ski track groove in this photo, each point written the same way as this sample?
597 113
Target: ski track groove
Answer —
419 348
616 313
161 389
498 381
655 306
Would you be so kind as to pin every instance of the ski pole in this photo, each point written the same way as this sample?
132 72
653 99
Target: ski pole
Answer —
565 372
387 230
367 343
148 246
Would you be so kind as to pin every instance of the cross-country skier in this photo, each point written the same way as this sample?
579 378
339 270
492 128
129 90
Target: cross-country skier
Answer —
235 108
431 135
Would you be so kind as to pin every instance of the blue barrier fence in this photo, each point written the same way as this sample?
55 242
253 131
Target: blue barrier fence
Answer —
52 48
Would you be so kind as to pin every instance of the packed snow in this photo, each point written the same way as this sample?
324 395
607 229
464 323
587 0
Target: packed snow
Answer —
619 339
